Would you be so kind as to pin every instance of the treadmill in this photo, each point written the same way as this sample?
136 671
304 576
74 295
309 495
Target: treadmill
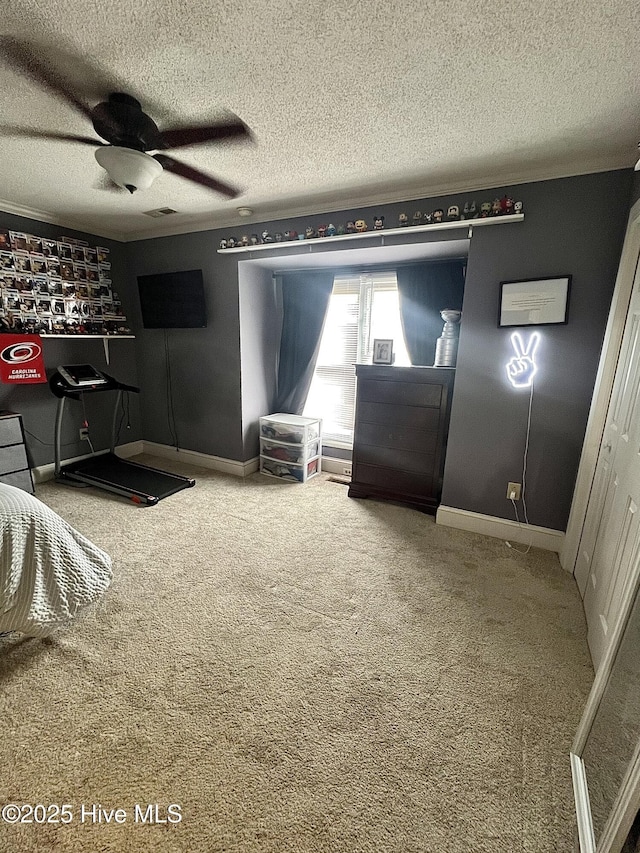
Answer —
104 470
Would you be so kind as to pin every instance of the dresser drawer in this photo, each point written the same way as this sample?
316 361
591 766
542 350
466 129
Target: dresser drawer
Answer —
401 482
390 457
19 479
413 417
403 393
13 458
396 437
10 431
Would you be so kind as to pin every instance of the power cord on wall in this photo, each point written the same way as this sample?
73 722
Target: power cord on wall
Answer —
524 484
48 443
85 422
124 413
171 419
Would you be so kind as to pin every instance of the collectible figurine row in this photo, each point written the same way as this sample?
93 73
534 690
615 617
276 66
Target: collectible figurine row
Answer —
57 287
504 206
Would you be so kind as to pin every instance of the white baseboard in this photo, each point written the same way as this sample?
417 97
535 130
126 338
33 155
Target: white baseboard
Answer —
583 806
42 473
203 460
191 457
501 528
134 448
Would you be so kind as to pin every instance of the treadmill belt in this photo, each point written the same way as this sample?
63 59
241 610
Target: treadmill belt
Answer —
110 470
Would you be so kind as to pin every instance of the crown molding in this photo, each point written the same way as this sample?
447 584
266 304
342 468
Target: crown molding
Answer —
268 213
324 203
55 219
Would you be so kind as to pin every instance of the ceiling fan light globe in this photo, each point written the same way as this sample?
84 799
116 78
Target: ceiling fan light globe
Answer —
128 168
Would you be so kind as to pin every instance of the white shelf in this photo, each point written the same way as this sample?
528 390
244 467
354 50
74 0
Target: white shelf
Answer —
382 233
94 337
104 338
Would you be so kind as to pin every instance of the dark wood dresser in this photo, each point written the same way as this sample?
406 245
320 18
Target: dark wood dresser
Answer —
400 437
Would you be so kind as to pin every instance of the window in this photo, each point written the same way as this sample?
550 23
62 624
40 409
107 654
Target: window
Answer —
362 307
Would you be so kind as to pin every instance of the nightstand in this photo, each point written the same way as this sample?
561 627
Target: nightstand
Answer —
14 465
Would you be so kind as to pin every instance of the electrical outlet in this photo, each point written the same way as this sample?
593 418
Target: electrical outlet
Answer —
84 433
347 470
513 491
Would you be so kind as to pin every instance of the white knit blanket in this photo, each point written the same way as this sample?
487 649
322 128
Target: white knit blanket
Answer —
49 572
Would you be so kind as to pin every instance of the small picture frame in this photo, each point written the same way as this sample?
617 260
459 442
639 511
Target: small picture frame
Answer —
534 301
383 351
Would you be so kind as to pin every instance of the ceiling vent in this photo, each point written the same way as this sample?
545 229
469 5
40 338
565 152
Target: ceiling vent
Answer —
160 211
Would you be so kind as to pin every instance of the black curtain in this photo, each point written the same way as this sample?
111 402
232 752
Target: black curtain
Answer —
425 290
305 299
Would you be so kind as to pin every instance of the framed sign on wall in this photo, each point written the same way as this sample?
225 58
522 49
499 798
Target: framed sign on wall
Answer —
21 360
534 301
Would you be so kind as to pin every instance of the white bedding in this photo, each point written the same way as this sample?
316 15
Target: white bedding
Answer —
49 572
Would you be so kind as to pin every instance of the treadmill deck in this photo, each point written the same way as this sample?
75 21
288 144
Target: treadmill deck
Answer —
131 479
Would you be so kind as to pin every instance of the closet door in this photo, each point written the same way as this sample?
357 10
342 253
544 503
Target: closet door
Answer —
609 554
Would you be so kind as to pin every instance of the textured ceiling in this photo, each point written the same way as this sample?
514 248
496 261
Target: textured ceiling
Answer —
351 103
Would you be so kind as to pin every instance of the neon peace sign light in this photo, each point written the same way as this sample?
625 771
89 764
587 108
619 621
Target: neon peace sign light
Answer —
522 367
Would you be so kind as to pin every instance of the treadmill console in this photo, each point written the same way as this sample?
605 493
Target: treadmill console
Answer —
73 380
82 376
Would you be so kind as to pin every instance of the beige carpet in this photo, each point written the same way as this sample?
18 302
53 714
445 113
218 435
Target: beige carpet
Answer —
298 671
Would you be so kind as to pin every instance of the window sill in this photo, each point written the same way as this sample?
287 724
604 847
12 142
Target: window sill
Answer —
338 446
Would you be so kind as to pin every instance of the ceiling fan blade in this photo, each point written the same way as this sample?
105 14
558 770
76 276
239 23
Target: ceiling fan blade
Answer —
29 133
23 58
179 137
79 75
195 175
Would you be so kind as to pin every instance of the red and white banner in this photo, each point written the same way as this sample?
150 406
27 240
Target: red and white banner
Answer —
21 359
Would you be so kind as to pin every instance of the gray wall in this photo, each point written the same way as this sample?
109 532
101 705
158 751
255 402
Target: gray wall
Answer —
260 329
572 226
37 404
223 377
204 363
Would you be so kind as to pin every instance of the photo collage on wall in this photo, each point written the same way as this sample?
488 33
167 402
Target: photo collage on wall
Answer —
57 287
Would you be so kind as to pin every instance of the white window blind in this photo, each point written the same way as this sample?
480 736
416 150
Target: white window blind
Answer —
362 307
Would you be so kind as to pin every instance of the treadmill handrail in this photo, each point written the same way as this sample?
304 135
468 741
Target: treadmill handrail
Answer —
110 467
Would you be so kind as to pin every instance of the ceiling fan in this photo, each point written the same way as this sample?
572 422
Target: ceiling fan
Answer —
129 132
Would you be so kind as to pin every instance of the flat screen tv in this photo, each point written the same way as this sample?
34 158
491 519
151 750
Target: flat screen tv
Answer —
173 300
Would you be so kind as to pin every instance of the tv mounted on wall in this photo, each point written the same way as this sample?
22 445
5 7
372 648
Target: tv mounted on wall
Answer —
173 300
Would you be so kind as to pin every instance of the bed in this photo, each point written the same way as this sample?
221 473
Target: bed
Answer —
49 572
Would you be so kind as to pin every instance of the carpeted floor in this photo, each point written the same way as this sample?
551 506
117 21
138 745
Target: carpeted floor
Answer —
298 671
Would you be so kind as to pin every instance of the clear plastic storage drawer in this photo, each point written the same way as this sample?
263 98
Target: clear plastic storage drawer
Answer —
292 429
289 471
296 453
